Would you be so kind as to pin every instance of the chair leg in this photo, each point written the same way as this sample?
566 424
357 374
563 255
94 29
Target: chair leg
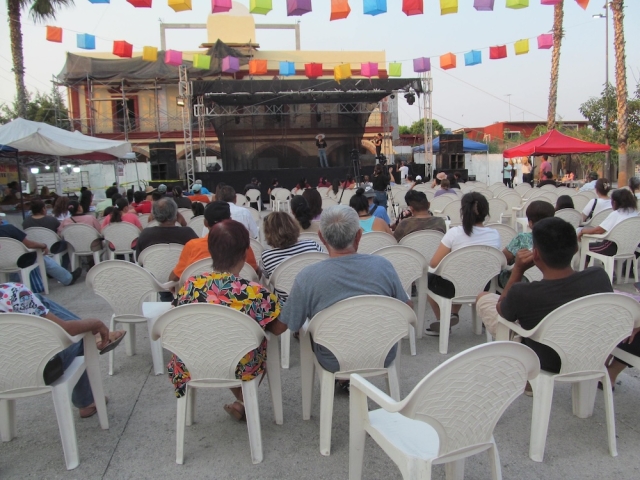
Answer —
477 323
7 420
72 260
327 382
412 340
542 399
422 304
156 351
181 420
275 381
112 328
392 378
286 349
92 367
191 407
608 266
445 322
454 470
130 339
494 461
358 415
584 397
64 415
610 415
26 281
250 394
306 375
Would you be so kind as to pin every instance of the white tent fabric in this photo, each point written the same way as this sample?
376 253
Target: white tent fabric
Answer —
36 137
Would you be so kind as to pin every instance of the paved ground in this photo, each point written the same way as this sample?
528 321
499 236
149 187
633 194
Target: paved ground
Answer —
141 440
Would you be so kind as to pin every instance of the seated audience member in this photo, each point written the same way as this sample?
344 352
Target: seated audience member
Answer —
625 205
61 208
417 216
300 187
474 209
197 208
536 211
457 178
375 209
445 188
39 217
121 212
16 298
274 184
181 201
198 248
107 202
141 204
568 178
591 185
314 199
254 184
78 215
198 196
554 245
634 186
162 190
345 274
348 183
548 180
281 232
368 222
229 243
302 213
453 180
165 213
86 201
564 201
324 182
601 202
203 190
239 214
157 196
438 180
616 366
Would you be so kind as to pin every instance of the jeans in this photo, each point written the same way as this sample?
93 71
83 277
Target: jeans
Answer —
322 155
381 199
56 271
82 395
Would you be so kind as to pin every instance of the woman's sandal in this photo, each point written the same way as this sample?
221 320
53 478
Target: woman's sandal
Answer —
114 341
235 412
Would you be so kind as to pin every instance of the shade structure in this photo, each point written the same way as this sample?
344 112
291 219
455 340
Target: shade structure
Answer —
41 138
497 52
230 64
257 67
180 5
483 5
122 49
448 61
141 3
295 8
201 61
287 69
150 54
369 69
521 46
86 41
54 34
339 9
545 41
515 4
395 69
554 143
474 57
374 7
422 64
468 146
583 3
448 6
342 72
261 7
220 6
313 70
173 57
413 7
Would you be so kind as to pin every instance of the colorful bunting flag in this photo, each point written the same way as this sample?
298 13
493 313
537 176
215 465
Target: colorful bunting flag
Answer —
374 7
122 49
140 3
583 3
230 64
369 69
150 54
413 7
474 57
99 1
173 57
54 34
395 69
515 4
86 41
447 61
261 7
339 9
287 69
313 70
448 6
220 6
483 5
201 61
498 52
296 8
545 41
421 64
521 46
180 5
257 67
342 72
550 2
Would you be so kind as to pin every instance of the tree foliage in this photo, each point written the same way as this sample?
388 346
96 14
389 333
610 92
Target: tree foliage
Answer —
417 128
46 108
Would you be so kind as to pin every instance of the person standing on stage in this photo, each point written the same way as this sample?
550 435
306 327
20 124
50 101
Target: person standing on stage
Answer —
322 151
377 142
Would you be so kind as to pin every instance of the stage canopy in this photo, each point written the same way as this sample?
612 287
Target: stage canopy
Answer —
554 143
468 146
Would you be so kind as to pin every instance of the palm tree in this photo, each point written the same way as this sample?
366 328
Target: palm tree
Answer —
39 10
624 170
558 14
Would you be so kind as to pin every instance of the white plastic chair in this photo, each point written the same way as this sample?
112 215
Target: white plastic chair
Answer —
410 266
438 203
469 269
49 238
255 214
125 287
360 331
120 235
257 248
210 340
280 198
29 342
626 236
10 251
313 236
372 241
506 233
522 188
512 199
344 197
598 218
550 188
79 236
197 224
186 213
497 208
580 201
241 200
282 279
449 416
152 223
570 215
160 259
322 190
575 331
452 210
253 196
143 218
488 194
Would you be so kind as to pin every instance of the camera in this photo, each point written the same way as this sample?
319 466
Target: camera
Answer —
355 156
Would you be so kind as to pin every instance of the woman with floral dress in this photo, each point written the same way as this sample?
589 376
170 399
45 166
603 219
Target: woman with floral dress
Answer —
228 243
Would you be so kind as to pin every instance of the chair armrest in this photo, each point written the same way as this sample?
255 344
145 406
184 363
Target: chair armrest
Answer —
375 394
595 236
164 287
505 327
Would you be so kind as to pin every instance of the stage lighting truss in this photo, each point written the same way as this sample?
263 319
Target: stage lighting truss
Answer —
217 110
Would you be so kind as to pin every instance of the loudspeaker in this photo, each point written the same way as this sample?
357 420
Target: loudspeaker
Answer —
163 161
451 143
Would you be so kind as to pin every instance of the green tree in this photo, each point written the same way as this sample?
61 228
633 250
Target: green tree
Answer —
39 10
417 128
46 108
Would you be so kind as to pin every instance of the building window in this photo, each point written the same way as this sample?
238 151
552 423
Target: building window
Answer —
512 135
118 115
570 126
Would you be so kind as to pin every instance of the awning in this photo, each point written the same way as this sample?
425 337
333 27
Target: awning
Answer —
468 146
554 143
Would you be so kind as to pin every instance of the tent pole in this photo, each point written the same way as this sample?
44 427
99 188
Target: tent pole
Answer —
59 175
137 175
20 185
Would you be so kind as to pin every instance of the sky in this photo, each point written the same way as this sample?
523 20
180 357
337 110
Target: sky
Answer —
513 88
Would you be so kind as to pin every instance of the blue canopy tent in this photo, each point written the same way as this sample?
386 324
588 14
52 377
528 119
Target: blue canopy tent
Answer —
468 146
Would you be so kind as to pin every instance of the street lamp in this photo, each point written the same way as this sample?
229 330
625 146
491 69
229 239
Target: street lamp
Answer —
607 162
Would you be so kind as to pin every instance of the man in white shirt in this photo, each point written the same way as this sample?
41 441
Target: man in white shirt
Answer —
593 176
239 214
404 171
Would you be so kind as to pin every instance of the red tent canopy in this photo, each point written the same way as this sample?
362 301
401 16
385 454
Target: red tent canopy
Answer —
554 143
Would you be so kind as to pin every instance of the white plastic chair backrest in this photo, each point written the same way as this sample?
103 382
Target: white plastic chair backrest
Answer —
125 286
532 192
511 198
199 267
575 330
253 195
143 218
425 242
372 241
562 190
186 213
257 248
438 203
313 236
463 398
550 197
285 274
210 339
500 190
344 198
580 201
423 187
506 233
488 194
430 195
533 274
160 259
27 343
121 234
42 235
626 235
471 268
551 188
497 185
497 206
255 214
571 215
241 200
248 273
590 194
197 224
452 210
11 249
80 236
522 188
281 195
599 217
152 223
361 330
407 262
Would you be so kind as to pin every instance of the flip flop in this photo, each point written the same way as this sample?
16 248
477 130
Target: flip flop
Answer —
113 343
234 412
91 410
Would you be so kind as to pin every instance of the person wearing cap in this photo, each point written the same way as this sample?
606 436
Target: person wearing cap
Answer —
198 248
162 189
198 196
375 209
204 190
165 212
321 144
438 179
593 177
